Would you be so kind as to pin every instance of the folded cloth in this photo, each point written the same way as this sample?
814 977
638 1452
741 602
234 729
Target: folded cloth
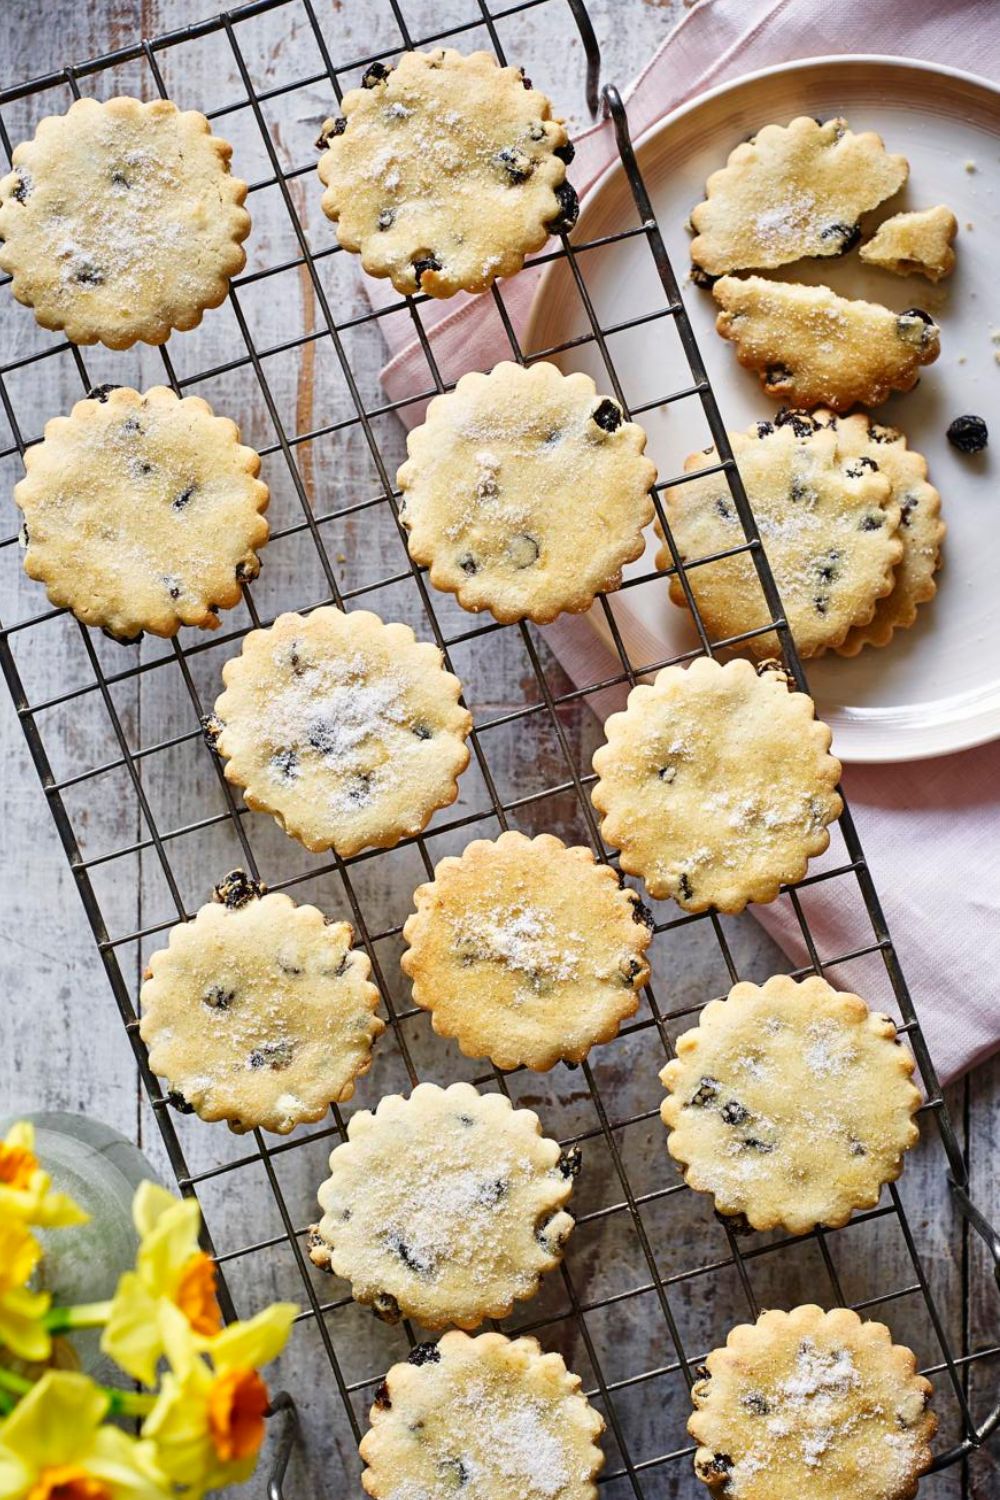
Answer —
931 830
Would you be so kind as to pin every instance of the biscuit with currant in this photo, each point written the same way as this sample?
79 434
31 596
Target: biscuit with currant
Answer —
444 171
526 492
495 1416
820 1405
790 1103
347 730
828 521
716 784
791 191
445 1207
142 512
258 1011
812 348
120 221
525 951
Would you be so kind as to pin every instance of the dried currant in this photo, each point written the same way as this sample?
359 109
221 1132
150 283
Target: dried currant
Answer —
706 1091
569 210
570 1161
701 277
517 164
969 434
608 415
285 764
424 1354
385 1307
844 236
330 129
374 74
276 1055
219 997
425 263
211 728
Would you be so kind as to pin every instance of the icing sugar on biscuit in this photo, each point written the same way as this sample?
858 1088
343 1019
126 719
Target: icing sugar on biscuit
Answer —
525 492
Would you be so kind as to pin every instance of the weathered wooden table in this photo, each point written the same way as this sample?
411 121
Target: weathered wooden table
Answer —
62 1044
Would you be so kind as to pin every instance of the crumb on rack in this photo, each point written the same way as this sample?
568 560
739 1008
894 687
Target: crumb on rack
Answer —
970 166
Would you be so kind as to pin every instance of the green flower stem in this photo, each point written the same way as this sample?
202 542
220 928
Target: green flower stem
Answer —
7 1404
84 1315
120 1403
15 1384
128 1403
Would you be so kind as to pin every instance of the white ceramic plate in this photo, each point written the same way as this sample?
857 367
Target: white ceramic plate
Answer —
936 688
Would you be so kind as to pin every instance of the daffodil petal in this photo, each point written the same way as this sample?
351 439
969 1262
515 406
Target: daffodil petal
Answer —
128 1468
168 1246
149 1204
178 1427
132 1335
36 1205
21 1327
56 1421
180 1343
15 1477
21 1135
255 1342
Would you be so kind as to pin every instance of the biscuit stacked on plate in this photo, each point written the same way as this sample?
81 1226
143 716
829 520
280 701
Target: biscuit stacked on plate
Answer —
850 524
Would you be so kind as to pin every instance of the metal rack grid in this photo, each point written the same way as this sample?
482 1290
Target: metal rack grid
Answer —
156 842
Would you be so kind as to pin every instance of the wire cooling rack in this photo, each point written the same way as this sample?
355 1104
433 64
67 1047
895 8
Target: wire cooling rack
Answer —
595 1315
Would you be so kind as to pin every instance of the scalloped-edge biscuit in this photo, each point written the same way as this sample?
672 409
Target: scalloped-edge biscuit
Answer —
525 492
525 951
347 730
921 529
259 1012
820 1405
120 221
445 171
828 522
716 784
791 191
914 243
790 1103
813 348
446 1207
142 512
496 1415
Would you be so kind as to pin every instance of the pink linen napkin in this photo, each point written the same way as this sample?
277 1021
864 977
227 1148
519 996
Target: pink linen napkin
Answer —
931 829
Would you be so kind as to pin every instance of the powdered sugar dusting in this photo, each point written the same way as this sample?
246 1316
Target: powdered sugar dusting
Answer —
783 226
517 1443
522 939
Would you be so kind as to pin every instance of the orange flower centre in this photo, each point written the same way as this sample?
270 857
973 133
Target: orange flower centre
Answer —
237 1403
67 1482
17 1164
196 1295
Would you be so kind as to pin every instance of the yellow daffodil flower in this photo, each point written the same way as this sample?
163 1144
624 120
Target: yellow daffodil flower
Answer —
26 1189
21 1311
208 1422
172 1272
53 1447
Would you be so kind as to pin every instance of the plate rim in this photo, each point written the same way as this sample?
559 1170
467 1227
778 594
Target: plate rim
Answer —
988 730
